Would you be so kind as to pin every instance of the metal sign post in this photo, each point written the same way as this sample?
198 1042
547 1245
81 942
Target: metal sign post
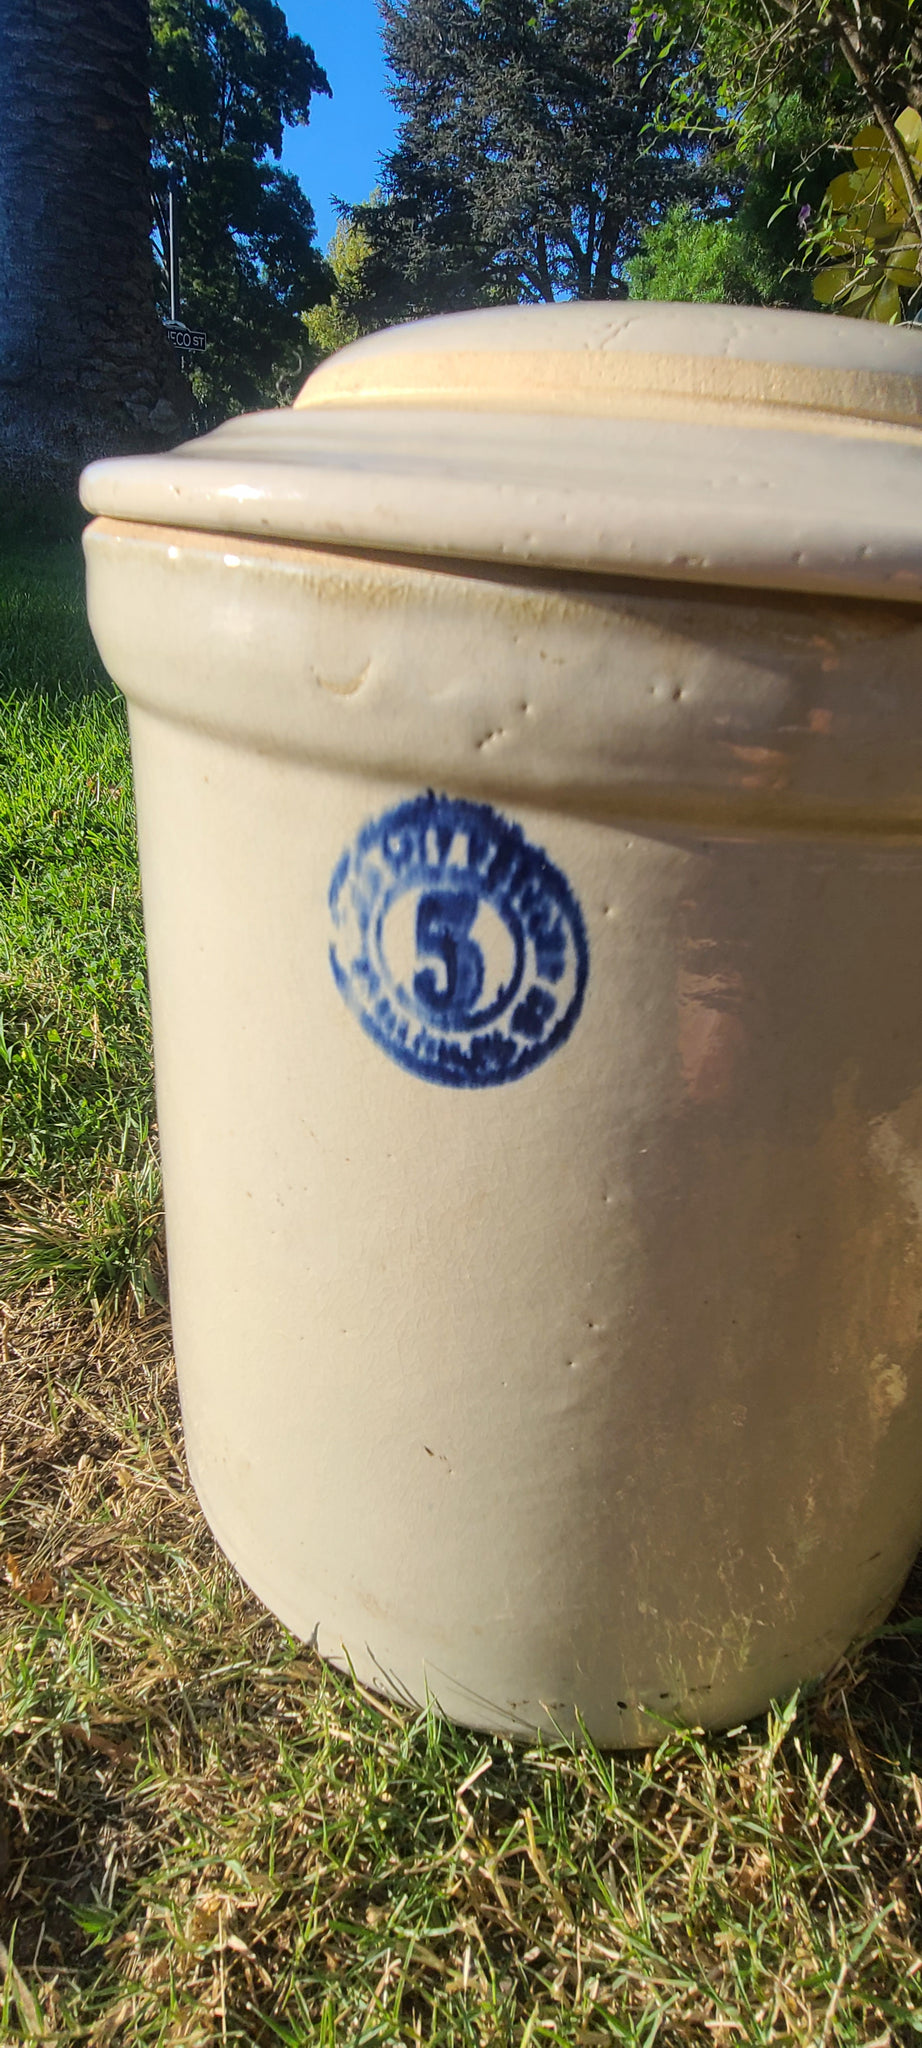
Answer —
173 250
190 339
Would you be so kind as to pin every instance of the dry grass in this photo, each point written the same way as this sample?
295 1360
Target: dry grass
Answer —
204 1835
209 1837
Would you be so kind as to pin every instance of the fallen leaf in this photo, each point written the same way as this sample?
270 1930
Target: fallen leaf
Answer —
41 1590
37 1591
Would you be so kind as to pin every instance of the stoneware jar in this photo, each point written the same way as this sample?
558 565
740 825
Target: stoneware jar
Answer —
527 732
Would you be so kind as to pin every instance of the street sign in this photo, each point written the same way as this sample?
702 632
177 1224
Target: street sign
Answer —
193 338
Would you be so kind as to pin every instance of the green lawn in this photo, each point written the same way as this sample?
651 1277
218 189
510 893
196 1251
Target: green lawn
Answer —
76 1096
205 1836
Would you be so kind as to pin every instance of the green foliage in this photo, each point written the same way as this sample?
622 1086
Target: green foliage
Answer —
842 63
754 53
339 321
751 253
528 159
687 257
869 230
227 79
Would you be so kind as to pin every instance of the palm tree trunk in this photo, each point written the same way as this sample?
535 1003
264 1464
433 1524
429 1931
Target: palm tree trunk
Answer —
84 367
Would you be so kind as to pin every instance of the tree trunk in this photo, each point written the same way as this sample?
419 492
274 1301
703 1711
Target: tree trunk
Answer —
85 368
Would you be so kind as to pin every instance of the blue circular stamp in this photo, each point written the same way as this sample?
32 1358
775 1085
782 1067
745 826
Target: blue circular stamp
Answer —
458 945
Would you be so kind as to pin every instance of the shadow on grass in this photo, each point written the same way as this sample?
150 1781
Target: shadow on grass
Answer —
46 648
891 1693
40 516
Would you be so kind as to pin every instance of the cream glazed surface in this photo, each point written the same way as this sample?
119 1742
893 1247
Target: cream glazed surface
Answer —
538 1029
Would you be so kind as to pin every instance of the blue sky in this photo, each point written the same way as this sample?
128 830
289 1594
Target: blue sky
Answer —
338 153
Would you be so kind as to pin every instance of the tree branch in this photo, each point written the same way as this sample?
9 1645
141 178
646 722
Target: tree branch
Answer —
544 272
605 257
897 148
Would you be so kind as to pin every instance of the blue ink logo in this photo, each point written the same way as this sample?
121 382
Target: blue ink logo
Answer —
459 947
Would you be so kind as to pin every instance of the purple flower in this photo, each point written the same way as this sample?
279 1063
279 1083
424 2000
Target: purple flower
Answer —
804 216
632 34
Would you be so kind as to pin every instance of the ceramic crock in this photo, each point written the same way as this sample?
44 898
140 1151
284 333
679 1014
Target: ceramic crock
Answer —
527 733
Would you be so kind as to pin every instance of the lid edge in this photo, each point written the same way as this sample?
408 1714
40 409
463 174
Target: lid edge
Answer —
608 384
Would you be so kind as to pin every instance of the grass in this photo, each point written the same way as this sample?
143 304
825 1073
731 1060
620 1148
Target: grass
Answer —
211 1837
76 1092
206 1836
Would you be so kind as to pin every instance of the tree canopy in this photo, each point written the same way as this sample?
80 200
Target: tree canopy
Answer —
529 154
849 62
338 321
864 54
751 251
227 78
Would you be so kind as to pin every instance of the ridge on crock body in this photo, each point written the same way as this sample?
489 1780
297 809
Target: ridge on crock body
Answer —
526 734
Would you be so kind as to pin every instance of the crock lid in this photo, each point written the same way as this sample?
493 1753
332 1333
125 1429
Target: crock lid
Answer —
704 443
